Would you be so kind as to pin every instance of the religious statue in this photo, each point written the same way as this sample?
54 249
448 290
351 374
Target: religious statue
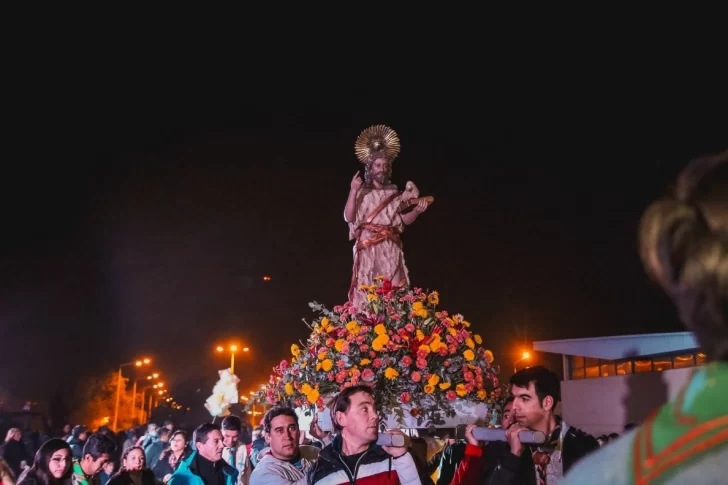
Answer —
377 212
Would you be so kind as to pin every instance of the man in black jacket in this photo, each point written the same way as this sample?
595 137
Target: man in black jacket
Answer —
536 392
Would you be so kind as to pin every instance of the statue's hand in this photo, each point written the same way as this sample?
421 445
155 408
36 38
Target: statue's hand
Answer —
356 182
421 207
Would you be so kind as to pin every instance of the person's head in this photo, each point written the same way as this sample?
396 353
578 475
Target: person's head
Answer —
13 434
536 391
178 441
629 426
168 424
98 450
163 435
378 170
231 427
152 429
280 428
355 416
684 247
377 147
80 432
133 459
52 462
257 432
67 429
108 468
208 441
613 436
507 417
603 440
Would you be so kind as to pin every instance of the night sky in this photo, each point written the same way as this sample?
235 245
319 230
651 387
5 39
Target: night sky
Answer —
141 218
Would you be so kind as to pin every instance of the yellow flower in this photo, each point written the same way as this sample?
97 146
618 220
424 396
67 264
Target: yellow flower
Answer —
459 389
452 331
327 364
323 325
469 342
306 389
478 339
372 297
380 329
489 356
295 350
339 344
433 380
318 367
482 394
313 396
429 389
379 342
426 348
379 278
420 335
391 374
469 355
433 298
322 356
466 324
435 344
353 327
304 364
289 388
365 362
444 386
418 309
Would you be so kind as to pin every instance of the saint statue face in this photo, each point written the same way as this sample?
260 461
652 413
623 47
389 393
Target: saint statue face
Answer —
380 171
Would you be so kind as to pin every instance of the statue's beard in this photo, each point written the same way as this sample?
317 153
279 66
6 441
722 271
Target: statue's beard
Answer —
381 177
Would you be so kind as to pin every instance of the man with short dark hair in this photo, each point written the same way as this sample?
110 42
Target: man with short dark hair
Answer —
353 455
205 465
283 463
97 451
536 392
233 453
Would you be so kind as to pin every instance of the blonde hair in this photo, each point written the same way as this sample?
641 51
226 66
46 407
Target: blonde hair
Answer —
685 250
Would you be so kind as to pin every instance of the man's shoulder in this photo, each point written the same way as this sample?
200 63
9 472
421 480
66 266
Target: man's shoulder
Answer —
583 438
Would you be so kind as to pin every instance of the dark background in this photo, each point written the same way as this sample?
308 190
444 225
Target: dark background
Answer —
141 212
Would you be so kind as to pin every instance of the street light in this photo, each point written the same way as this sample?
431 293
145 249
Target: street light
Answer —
138 363
233 348
526 356
155 375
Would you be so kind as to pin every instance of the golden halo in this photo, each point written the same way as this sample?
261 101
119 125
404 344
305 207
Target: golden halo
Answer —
377 138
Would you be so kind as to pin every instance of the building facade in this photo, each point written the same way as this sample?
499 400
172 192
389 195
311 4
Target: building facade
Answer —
609 382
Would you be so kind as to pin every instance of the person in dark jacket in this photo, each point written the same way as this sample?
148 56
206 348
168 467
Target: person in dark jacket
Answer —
52 465
171 458
13 450
133 469
77 441
536 391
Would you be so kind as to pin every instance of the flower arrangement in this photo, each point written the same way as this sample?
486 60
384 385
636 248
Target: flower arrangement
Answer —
418 360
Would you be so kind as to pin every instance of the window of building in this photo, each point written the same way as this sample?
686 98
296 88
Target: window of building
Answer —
608 369
589 367
682 361
624 368
660 364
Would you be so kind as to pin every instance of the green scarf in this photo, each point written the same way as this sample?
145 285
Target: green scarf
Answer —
685 429
79 477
